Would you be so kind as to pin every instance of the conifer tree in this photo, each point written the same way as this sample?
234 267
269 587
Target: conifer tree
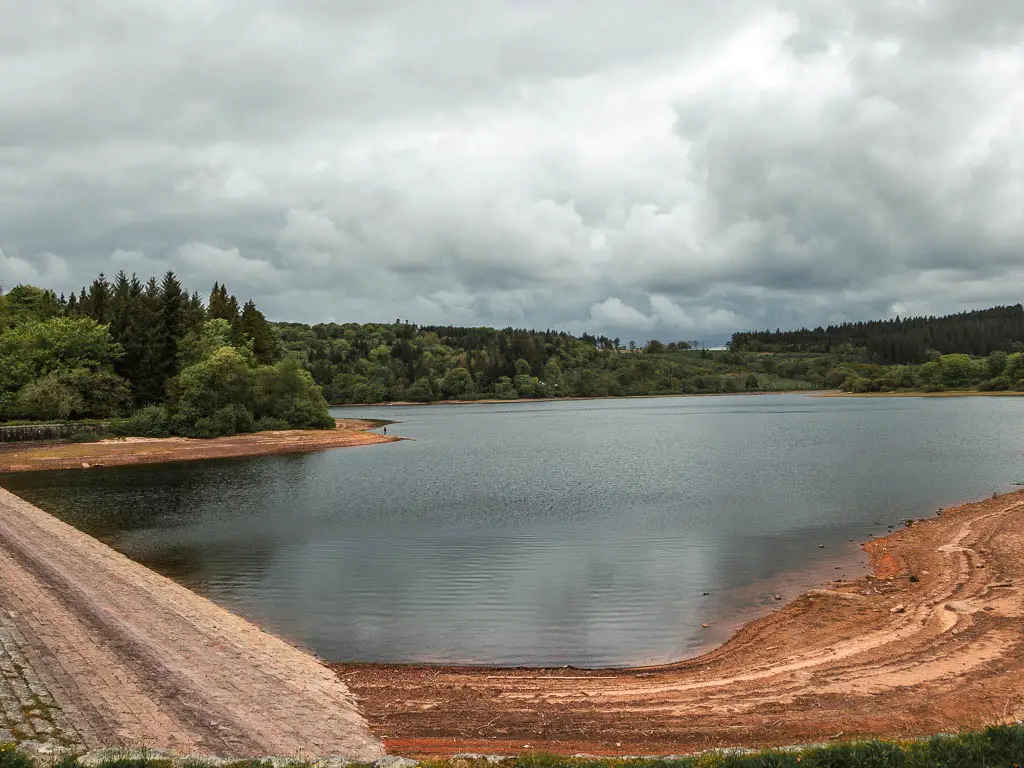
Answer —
99 300
171 325
266 346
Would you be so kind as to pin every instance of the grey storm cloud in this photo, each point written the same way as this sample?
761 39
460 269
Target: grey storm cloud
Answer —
641 169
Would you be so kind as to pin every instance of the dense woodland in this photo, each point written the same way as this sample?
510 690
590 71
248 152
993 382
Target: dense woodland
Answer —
158 360
152 357
902 341
403 362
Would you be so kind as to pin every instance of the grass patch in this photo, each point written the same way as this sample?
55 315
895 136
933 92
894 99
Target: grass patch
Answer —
12 758
995 747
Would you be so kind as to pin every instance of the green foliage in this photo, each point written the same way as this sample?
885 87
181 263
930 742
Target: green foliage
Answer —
995 747
103 393
46 399
254 328
271 424
225 395
26 302
285 394
201 343
901 340
201 396
64 351
230 419
373 363
191 370
40 347
77 394
420 391
150 421
12 758
457 383
1014 370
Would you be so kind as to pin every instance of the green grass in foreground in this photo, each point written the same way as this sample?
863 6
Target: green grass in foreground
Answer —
996 747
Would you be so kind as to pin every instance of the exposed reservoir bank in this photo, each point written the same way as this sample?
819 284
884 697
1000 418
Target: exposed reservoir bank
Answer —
117 452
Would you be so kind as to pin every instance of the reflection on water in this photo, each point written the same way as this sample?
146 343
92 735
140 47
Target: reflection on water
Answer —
579 533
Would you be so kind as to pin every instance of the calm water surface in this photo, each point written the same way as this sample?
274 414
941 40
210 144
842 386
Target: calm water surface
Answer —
578 533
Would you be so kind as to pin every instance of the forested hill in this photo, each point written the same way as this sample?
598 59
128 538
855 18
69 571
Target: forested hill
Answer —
369 363
902 340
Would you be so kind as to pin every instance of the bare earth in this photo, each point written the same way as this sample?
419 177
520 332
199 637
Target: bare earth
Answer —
96 651
23 457
880 656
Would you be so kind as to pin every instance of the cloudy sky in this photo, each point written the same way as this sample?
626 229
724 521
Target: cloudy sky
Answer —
641 168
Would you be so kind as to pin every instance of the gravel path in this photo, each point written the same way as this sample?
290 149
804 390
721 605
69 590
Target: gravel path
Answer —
96 650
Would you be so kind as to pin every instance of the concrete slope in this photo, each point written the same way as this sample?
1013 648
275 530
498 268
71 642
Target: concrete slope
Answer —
97 650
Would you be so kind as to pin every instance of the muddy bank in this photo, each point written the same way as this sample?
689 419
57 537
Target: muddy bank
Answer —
25 457
930 642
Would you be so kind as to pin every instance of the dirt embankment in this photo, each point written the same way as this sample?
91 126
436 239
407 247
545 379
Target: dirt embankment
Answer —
26 457
931 642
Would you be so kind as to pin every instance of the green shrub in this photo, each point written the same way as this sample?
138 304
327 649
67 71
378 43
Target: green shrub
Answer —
231 419
998 384
151 421
287 393
11 758
271 424
47 399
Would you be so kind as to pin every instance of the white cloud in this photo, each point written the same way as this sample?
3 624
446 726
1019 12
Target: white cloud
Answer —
44 269
614 313
659 167
226 264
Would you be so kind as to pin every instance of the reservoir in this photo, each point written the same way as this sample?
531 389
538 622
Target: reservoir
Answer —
589 533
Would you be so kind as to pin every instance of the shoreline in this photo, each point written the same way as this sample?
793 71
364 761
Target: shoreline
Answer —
497 401
915 393
927 642
115 452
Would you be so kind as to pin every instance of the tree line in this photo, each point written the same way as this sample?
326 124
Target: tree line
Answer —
161 360
902 340
401 361
154 357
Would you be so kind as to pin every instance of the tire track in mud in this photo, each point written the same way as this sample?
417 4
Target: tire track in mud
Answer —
884 655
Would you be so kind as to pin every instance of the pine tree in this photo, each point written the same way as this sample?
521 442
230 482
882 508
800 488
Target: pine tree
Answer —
255 329
143 348
171 326
222 306
99 300
195 313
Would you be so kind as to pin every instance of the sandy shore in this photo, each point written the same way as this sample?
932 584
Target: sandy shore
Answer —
96 651
885 655
25 457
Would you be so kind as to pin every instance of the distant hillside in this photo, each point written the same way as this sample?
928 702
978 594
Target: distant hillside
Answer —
372 362
902 340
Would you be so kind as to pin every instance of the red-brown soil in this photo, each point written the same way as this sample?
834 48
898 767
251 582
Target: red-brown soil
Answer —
884 655
24 457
